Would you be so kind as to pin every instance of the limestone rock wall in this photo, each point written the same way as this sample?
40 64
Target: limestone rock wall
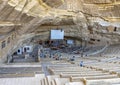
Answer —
94 21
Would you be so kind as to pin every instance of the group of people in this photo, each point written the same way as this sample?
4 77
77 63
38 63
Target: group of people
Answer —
57 57
73 59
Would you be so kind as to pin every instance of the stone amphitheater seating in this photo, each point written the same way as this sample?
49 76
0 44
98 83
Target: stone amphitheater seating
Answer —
17 75
106 66
63 73
112 50
61 81
75 83
93 77
113 81
84 75
19 71
22 81
96 71
52 77
90 50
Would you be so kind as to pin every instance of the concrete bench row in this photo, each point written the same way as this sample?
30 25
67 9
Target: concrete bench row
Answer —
97 80
33 80
12 72
63 75
105 66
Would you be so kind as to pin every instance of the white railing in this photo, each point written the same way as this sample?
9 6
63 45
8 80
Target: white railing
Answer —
98 51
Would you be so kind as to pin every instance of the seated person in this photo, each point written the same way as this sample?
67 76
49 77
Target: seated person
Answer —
81 63
60 57
72 59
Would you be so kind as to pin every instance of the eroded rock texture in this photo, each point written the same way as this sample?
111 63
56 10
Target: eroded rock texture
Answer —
81 19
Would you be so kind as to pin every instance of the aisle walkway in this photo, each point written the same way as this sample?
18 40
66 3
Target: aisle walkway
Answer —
22 81
44 64
46 72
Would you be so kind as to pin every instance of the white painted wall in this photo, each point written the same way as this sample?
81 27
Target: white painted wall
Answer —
28 49
57 34
20 51
70 42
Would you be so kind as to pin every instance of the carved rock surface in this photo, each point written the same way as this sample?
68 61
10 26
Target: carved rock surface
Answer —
81 19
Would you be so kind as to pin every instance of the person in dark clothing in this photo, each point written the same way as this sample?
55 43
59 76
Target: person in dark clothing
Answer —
81 63
73 58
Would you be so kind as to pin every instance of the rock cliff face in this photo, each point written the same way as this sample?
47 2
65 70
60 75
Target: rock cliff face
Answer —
95 21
